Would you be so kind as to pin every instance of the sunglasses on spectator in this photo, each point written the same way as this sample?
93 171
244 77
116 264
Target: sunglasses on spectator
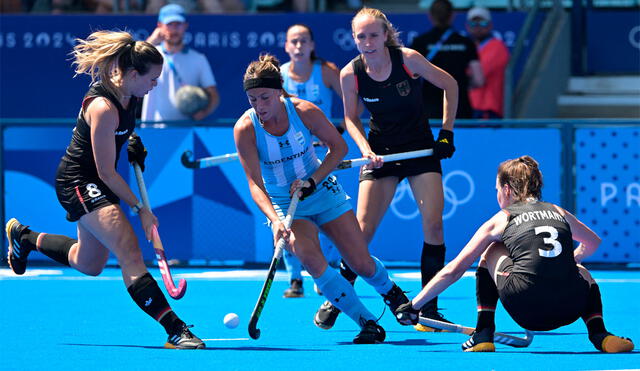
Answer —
478 23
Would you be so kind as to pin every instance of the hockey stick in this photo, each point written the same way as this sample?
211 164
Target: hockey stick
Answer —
347 164
254 332
211 161
174 292
498 337
206 161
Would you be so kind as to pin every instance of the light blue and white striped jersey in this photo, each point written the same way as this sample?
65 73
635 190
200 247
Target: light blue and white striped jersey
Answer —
314 90
285 158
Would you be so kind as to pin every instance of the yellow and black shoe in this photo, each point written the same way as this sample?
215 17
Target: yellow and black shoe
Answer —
184 339
431 314
480 341
609 343
18 250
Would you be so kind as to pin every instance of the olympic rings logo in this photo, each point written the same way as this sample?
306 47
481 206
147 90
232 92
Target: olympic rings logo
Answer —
634 37
343 38
450 196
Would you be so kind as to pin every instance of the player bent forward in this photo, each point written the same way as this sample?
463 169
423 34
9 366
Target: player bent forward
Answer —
528 261
274 142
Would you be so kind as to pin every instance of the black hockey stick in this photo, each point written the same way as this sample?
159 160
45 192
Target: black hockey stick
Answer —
254 332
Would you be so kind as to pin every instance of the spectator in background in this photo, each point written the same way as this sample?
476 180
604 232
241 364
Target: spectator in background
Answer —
182 66
279 5
203 6
487 100
446 48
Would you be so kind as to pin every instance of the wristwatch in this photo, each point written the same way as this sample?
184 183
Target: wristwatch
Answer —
137 207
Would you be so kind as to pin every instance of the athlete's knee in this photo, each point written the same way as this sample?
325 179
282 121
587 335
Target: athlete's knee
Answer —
363 265
92 269
127 250
368 230
433 227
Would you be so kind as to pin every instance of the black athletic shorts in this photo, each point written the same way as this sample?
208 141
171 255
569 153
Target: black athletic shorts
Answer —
80 194
541 305
403 168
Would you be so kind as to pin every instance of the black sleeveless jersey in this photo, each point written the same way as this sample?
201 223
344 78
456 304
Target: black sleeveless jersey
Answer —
539 241
396 106
79 152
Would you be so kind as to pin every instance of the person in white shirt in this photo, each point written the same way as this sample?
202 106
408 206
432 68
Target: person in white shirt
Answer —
182 66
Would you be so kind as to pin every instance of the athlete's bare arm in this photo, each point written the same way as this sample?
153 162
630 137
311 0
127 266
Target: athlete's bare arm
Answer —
489 232
589 240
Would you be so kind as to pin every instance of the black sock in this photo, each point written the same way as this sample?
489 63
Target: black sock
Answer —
146 293
431 261
347 273
54 246
592 316
487 299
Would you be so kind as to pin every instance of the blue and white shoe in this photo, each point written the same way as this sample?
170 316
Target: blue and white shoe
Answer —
18 251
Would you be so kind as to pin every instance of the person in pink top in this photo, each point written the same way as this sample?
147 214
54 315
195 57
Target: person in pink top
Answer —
487 101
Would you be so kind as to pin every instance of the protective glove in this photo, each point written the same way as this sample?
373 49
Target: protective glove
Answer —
444 148
308 188
406 315
136 151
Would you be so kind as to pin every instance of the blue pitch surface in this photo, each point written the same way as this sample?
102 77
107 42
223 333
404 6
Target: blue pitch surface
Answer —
57 319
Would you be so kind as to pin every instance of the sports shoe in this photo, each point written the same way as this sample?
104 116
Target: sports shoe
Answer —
430 311
480 341
184 339
371 333
18 252
394 298
609 343
326 315
295 290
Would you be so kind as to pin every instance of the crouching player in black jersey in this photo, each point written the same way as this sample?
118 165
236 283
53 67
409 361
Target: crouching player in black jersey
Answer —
89 188
528 261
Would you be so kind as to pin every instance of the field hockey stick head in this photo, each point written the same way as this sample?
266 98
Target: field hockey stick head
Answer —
254 331
174 292
187 161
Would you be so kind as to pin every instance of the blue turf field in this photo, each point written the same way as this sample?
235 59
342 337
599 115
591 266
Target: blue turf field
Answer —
56 319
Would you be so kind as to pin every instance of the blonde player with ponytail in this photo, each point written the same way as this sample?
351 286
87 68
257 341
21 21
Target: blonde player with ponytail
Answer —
89 188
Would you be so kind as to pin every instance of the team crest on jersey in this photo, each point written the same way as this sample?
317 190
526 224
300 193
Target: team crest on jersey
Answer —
403 88
300 138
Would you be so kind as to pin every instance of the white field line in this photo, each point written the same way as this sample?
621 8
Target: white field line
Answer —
237 274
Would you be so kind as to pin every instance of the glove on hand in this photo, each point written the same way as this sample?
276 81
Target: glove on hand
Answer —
443 148
136 151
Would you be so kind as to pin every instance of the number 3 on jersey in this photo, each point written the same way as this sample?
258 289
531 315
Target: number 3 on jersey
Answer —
551 240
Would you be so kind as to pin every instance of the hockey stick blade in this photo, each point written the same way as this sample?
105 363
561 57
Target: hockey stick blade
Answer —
254 332
174 292
187 162
501 338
